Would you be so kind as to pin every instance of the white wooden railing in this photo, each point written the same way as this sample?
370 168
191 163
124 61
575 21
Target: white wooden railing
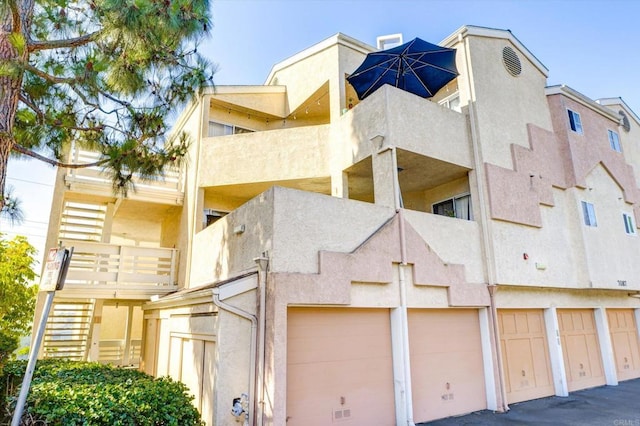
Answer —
171 184
119 268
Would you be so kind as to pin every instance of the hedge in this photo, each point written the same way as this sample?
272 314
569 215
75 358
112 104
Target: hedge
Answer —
70 393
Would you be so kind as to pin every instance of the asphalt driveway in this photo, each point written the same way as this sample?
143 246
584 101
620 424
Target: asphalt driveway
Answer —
601 406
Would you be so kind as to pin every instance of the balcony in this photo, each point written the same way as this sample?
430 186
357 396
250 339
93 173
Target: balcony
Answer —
168 189
108 271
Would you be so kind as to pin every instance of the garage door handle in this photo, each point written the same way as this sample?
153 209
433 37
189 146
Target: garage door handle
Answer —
581 367
523 373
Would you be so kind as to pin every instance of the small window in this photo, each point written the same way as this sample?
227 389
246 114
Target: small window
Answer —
589 214
574 121
459 207
219 129
452 102
629 225
614 141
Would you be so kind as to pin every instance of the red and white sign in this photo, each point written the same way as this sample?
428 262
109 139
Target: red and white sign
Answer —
55 269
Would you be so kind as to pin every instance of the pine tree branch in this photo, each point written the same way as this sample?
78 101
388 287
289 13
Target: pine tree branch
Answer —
33 107
34 46
33 154
45 76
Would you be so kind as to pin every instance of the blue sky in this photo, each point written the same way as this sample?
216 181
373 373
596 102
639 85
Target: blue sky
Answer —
591 46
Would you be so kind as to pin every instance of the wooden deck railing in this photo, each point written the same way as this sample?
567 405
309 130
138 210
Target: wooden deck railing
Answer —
118 268
170 185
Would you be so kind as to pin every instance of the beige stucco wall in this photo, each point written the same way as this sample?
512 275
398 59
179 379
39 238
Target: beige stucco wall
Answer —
268 156
504 104
510 297
305 223
611 253
219 252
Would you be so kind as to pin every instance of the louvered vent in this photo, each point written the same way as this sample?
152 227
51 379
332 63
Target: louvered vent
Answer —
511 61
625 121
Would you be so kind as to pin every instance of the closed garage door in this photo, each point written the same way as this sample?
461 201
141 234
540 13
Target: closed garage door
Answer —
624 337
580 347
339 367
446 363
525 354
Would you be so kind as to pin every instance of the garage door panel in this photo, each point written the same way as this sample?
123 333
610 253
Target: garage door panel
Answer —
446 363
335 354
525 354
624 338
581 349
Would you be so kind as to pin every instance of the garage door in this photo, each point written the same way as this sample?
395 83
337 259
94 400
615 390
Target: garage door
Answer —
624 337
339 367
580 347
446 363
525 354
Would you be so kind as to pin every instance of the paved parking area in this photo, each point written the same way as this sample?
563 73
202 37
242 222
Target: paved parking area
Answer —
601 406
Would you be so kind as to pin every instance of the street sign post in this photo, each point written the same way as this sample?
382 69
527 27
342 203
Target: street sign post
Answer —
53 277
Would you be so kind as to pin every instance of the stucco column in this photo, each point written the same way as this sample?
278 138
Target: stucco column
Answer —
487 359
383 164
340 184
93 351
606 347
555 352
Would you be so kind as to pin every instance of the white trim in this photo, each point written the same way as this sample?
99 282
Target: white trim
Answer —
556 355
487 360
606 347
238 287
578 97
620 102
472 30
337 39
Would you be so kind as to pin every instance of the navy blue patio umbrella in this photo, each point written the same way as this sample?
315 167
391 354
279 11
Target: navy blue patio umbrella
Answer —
418 67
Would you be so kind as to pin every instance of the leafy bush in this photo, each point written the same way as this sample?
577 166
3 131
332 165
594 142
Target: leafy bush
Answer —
70 393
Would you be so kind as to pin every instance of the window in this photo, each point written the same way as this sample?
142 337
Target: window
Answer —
629 226
219 129
452 102
589 214
574 121
614 141
459 207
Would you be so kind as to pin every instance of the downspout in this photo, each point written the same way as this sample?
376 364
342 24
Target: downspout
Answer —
263 265
406 362
252 367
486 221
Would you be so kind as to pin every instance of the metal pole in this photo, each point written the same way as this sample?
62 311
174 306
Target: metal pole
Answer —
31 365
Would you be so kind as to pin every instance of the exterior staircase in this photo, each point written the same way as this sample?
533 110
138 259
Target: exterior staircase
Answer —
67 334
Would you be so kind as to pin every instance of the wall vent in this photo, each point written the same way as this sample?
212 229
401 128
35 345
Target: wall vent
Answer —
511 61
625 121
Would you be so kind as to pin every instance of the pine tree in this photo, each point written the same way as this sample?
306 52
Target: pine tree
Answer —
102 74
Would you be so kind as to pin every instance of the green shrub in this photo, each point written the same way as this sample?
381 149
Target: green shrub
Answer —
70 393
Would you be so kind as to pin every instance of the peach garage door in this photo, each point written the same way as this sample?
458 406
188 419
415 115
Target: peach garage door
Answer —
339 367
581 349
525 354
624 338
446 363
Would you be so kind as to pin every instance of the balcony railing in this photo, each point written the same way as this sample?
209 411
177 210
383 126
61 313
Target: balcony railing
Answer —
101 270
170 186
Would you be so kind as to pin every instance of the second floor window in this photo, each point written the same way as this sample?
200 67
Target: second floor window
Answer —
574 121
219 129
459 207
589 214
614 141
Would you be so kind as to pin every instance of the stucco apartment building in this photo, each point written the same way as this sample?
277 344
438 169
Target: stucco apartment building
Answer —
323 260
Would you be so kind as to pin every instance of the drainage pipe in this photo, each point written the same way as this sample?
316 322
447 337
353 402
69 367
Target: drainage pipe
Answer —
486 220
252 367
